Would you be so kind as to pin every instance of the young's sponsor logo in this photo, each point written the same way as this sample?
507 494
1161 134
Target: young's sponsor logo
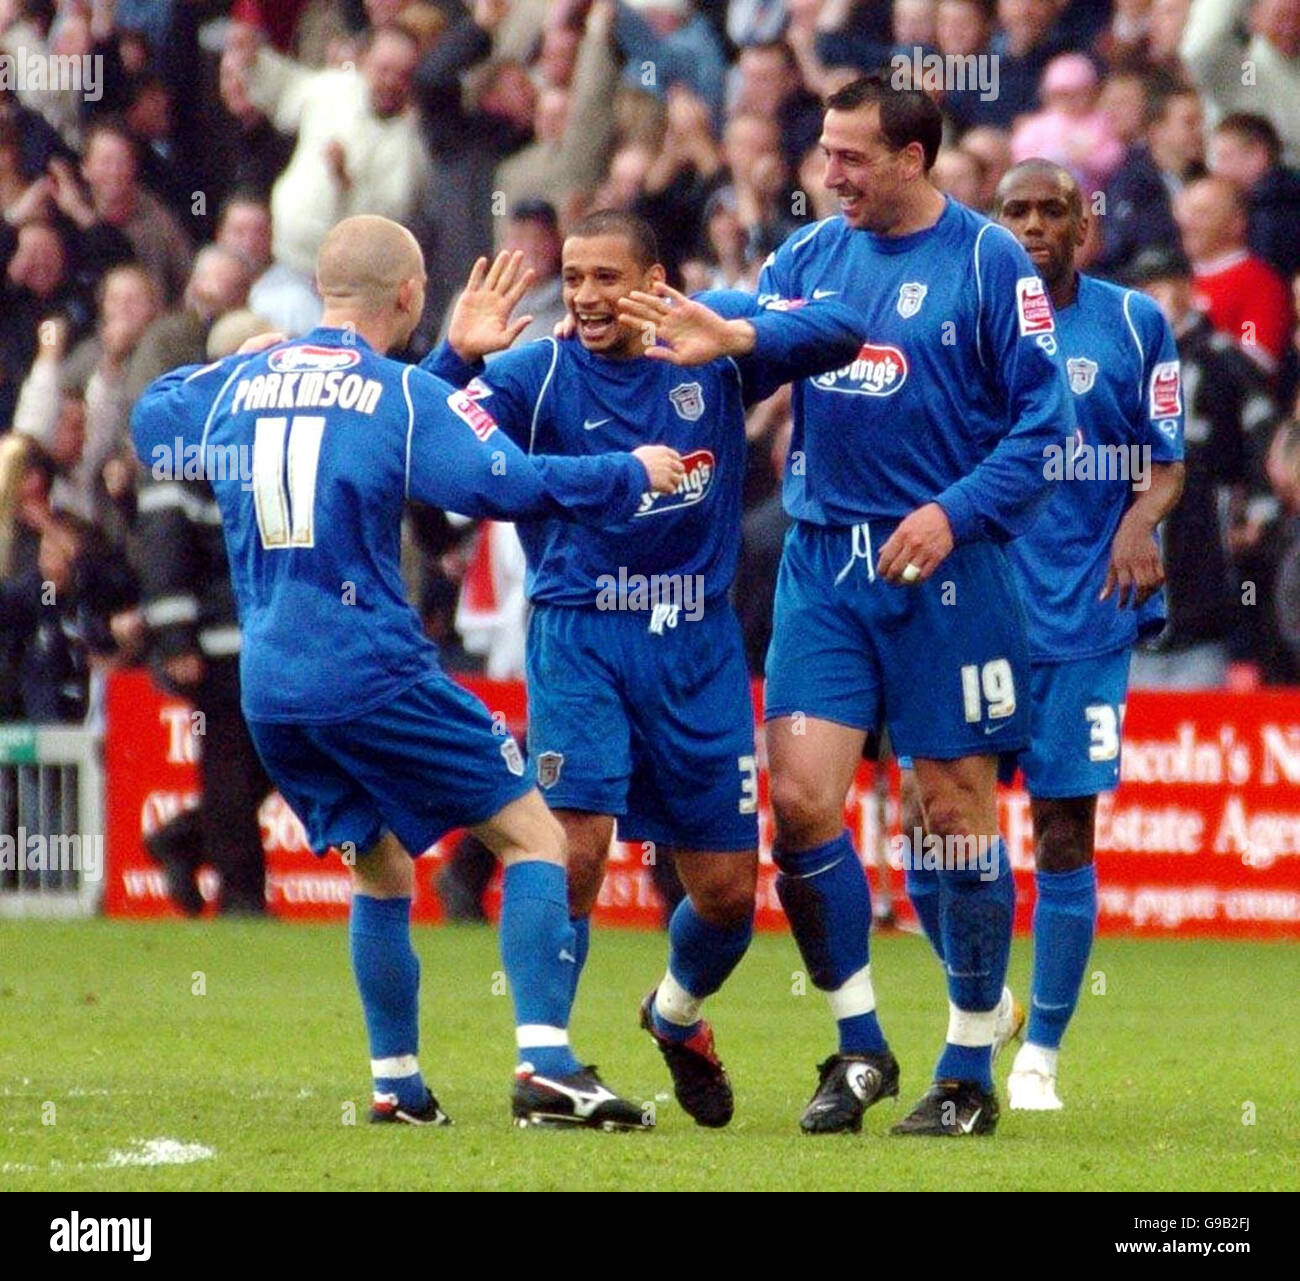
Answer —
877 370
700 467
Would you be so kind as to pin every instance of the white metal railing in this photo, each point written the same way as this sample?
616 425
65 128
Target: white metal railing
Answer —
52 834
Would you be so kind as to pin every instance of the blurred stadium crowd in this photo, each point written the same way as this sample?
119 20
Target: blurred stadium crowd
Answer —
165 214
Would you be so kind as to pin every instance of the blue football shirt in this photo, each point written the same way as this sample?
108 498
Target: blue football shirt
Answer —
554 396
955 392
1122 369
312 448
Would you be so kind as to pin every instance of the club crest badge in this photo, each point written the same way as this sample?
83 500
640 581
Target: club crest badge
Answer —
549 765
688 401
512 756
1083 373
910 297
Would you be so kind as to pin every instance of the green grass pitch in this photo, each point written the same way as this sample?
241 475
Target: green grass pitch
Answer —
247 1040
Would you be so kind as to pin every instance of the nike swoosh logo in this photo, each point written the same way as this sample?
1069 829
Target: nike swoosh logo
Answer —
967 1126
819 294
592 423
993 729
566 956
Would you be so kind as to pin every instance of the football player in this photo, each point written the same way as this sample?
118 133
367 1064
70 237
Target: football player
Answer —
910 466
639 703
1090 575
374 747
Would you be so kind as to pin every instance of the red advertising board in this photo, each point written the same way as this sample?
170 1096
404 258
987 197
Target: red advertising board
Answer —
1202 837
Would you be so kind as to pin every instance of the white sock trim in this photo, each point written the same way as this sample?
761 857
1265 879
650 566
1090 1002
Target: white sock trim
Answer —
854 996
972 1027
674 1003
398 1066
541 1035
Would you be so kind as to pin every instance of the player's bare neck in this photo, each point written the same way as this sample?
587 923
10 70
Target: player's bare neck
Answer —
1065 291
922 208
373 329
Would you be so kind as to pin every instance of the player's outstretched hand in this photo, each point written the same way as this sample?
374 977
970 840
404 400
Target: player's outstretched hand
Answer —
1135 572
260 342
663 465
480 323
691 333
917 547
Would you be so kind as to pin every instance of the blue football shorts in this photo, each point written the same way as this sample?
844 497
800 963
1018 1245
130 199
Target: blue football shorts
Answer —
419 766
655 727
944 663
1077 719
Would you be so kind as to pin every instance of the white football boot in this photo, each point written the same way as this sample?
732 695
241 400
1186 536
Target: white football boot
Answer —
1031 1087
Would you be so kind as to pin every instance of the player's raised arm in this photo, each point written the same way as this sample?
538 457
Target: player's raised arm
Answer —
481 326
1016 337
480 321
458 460
772 344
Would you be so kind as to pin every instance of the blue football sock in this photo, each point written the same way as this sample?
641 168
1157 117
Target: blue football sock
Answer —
923 891
975 916
537 945
701 956
388 977
825 896
1065 918
581 946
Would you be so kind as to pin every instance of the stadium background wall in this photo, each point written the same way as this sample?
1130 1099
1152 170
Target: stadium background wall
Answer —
1202 838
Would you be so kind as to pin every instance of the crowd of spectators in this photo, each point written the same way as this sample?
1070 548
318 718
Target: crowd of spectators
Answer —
161 214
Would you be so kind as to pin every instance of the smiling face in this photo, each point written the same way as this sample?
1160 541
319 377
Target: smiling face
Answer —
1042 209
598 271
865 173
